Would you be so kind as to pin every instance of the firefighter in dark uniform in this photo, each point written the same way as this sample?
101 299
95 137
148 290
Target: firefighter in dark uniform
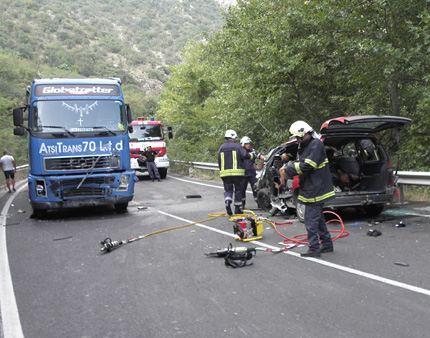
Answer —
230 162
316 186
250 172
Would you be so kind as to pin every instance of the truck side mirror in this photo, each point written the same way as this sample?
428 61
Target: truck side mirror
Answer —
18 117
170 133
128 110
19 131
129 118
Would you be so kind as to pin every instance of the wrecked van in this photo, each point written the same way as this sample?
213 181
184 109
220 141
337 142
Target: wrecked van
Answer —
362 174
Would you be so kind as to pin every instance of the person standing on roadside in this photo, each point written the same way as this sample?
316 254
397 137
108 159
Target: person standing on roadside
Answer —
316 186
231 167
149 155
8 165
250 173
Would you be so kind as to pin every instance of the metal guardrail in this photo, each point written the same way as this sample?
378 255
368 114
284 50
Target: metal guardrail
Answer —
414 177
22 167
404 177
411 178
198 165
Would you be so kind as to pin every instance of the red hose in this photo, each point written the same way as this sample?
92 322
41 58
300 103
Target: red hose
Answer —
295 240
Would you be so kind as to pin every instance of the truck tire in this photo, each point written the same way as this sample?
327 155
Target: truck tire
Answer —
162 172
39 213
121 207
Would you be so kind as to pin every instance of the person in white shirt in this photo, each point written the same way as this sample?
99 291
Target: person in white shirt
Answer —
8 165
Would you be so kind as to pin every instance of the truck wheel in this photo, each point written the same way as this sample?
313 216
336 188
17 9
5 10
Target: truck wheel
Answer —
162 172
263 198
39 213
121 207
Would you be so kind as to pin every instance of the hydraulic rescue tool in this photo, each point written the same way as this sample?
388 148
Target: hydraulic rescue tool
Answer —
240 250
247 227
237 257
108 245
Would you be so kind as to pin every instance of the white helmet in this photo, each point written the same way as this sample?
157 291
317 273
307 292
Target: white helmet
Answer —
244 140
230 134
300 129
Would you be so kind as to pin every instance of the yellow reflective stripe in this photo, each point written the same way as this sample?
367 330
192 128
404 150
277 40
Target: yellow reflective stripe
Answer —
234 154
318 198
232 172
222 161
376 155
322 165
297 167
314 165
310 162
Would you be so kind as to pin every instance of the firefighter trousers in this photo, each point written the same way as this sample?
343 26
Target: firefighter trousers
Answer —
316 227
232 188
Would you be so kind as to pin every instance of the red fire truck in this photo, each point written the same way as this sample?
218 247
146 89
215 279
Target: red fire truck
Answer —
149 133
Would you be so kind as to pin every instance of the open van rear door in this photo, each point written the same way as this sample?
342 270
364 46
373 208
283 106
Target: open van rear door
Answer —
363 124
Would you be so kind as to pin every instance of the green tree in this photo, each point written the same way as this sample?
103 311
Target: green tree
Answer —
274 62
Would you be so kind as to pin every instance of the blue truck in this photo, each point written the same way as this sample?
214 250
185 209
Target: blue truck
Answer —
79 151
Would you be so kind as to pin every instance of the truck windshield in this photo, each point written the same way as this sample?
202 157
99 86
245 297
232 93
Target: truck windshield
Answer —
147 132
78 115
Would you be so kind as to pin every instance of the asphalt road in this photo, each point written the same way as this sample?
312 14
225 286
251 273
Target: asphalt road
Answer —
164 286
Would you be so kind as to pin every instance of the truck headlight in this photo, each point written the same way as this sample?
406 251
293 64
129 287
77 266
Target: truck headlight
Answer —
124 181
41 188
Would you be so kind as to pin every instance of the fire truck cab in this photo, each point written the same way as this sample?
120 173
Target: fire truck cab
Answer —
149 133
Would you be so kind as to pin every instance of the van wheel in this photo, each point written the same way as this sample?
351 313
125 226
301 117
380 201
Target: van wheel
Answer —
300 211
263 198
374 209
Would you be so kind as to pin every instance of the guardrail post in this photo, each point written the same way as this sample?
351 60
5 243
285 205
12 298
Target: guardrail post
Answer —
401 200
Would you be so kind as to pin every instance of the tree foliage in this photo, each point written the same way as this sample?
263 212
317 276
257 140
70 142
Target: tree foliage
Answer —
276 61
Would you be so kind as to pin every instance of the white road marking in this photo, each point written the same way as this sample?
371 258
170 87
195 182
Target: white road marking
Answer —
315 260
9 310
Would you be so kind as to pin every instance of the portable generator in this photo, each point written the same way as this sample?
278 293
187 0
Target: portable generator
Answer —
247 228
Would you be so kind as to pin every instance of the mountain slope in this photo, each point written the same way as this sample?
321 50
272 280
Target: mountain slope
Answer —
94 38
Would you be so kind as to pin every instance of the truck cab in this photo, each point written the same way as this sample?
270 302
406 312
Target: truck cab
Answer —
78 144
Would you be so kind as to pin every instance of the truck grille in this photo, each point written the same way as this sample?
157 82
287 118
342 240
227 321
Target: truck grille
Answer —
82 163
89 180
85 192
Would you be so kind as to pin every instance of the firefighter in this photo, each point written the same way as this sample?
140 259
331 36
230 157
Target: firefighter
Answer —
250 173
316 186
230 162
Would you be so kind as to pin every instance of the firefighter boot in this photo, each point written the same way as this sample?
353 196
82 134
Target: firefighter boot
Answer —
238 210
228 208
